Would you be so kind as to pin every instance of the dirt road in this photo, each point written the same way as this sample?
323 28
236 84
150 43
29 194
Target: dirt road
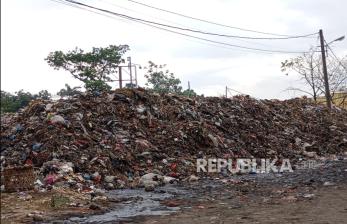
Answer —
316 195
329 205
306 196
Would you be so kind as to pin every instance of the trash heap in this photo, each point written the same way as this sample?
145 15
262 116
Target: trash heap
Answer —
116 137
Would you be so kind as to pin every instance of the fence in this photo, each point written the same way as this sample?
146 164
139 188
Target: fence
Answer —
19 178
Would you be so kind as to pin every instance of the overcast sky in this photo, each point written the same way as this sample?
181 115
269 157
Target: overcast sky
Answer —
30 29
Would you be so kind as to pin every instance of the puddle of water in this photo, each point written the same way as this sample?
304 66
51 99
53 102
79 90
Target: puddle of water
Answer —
138 203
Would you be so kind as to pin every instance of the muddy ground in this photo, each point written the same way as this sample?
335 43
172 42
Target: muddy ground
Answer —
329 206
31 206
310 195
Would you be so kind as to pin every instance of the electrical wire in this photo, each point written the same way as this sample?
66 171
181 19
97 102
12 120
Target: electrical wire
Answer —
89 10
183 34
230 89
187 29
333 53
132 10
135 11
126 21
215 23
223 43
344 80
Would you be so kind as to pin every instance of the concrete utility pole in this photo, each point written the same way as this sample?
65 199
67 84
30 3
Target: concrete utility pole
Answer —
135 75
226 92
120 77
188 88
130 71
325 71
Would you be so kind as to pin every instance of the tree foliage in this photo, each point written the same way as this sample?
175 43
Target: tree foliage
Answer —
189 92
309 67
161 80
43 94
13 102
92 68
9 102
68 91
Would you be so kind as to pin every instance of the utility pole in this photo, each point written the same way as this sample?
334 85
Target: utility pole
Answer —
135 75
226 92
133 81
325 71
130 71
120 77
188 89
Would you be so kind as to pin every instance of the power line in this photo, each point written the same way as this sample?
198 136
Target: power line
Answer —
124 20
135 11
223 43
187 29
132 10
89 10
339 62
183 34
333 53
230 89
219 24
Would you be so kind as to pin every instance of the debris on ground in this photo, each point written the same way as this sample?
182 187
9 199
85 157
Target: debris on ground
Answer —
118 139
32 206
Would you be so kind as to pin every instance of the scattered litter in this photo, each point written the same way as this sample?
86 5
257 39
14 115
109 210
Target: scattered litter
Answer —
127 137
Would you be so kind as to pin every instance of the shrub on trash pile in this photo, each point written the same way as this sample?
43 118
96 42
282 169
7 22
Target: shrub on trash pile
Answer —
127 133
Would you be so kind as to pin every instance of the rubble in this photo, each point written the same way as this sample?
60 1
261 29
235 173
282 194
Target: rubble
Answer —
169 180
109 179
94 206
150 186
114 139
193 178
37 217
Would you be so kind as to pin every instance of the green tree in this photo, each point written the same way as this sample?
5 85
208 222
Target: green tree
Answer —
68 91
92 68
13 102
161 80
43 94
8 102
23 98
189 92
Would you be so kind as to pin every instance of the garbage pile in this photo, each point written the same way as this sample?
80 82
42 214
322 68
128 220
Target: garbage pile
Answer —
113 138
